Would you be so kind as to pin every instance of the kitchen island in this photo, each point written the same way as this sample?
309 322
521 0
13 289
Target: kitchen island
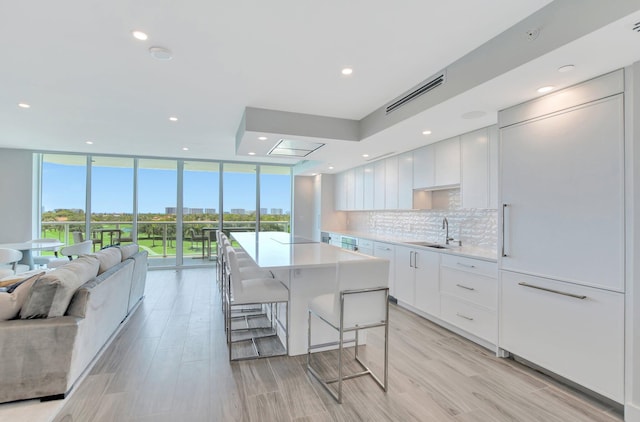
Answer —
307 268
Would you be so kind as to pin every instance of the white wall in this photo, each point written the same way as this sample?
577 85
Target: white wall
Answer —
16 176
632 363
303 206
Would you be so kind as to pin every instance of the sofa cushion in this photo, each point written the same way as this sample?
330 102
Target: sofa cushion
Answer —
108 257
129 250
51 293
11 303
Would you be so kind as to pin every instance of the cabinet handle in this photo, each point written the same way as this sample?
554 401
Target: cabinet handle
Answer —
581 297
468 318
465 265
465 287
415 260
411 258
504 207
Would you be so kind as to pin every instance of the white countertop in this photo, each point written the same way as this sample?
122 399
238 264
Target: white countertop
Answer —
478 252
277 250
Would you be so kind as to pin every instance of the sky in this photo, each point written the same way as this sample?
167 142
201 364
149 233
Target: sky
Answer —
63 186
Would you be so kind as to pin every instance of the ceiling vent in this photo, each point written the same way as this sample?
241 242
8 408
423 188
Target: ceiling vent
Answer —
636 27
294 148
379 156
421 89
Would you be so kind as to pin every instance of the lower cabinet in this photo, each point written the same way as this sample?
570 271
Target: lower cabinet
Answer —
417 279
469 295
387 251
574 331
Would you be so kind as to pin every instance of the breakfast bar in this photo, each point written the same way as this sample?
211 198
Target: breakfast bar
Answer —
307 267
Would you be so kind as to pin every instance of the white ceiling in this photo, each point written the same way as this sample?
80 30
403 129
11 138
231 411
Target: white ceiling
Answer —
86 78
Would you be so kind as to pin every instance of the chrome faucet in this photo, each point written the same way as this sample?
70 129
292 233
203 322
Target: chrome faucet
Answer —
445 225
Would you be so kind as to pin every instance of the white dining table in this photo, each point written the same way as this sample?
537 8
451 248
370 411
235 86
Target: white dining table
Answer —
27 247
307 268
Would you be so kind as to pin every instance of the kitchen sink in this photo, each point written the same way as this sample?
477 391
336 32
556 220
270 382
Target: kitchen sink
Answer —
428 245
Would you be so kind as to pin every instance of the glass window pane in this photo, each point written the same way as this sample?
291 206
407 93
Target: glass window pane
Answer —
157 191
200 193
275 198
239 197
64 196
111 201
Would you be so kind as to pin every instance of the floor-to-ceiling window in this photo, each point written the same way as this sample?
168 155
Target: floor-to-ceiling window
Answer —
63 197
170 207
157 210
275 198
239 197
201 198
111 200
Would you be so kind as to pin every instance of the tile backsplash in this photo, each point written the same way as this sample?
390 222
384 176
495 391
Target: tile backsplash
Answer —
475 227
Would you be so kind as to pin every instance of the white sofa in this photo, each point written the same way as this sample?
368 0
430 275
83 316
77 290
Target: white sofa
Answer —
43 354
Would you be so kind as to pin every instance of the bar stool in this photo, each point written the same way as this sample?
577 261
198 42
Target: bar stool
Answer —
351 308
246 292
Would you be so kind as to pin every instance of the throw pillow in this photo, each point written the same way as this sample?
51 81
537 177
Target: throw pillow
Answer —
129 250
108 258
11 303
14 278
51 294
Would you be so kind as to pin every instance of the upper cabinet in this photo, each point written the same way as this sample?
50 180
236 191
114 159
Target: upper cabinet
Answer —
378 185
340 191
405 181
368 180
447 163
424 174
391 183
479 162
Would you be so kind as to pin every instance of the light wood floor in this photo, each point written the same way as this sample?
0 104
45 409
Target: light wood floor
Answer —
170 364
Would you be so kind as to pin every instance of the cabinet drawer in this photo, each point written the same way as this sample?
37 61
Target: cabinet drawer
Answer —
476 266
475 288
580 337
477 320
365 244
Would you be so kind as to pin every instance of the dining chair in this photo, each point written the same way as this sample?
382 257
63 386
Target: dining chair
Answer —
246 292
9 265
45 259
351 308
77 249
78 237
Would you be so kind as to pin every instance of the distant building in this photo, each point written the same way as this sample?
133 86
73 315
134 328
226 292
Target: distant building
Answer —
240 211
276 211
263 211
209 210
170 210
196 210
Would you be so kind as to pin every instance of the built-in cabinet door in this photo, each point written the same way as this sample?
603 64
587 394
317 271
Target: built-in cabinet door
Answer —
379 185
427 279
405 181
340 188
494 159
563 184
424 167
405 275
350 189
387 251
391 183
358 188
447 162
575 331
368 187
474 152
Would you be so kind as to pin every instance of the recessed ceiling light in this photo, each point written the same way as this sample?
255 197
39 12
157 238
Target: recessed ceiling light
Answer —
566 68
252 153
89 142
365 155
545 89
262 138
314 174
24 105
347 71
426 132
160 53
173 118
139 35
185 148
330 167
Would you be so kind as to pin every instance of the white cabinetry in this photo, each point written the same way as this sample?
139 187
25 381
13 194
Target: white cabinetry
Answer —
469 295
405 181
562 269
378 185
349 184
358 188
447 162
479 156
387 251
391 183
417 279
574 331
365 246
424 167
340 191
368 187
